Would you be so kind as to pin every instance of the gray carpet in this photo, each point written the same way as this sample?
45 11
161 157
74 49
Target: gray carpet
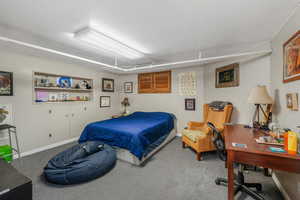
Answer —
173 173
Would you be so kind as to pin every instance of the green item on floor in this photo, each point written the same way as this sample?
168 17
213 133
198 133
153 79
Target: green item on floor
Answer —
6 153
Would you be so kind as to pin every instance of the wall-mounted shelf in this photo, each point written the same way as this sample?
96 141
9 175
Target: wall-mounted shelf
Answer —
53 88
63 89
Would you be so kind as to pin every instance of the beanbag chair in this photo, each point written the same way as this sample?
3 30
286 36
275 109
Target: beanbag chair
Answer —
81 163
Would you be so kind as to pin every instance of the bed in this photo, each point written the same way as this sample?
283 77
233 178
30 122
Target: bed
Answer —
136 137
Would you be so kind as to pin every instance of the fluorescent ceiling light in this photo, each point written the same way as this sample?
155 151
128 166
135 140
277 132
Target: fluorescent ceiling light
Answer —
103 42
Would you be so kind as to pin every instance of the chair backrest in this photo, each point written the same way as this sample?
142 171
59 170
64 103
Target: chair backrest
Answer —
218 118
218 141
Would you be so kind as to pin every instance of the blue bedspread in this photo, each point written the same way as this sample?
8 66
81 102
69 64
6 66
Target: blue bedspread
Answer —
134 132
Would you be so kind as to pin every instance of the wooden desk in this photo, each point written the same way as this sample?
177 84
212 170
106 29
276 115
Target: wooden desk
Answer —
254 154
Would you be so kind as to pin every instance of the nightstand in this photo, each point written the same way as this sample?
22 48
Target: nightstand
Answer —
119 115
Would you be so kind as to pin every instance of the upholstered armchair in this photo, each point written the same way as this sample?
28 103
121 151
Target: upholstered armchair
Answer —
198 135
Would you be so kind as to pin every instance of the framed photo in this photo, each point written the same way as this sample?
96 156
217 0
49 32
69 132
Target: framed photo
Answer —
292 101
108 85
6 114
228 76
6 83
104 101
128 87
190 104
291 59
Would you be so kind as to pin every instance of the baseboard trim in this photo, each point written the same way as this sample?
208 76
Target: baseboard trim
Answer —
280 187
51 146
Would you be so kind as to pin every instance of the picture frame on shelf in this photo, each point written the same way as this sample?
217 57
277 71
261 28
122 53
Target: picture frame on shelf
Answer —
291 59
6 83
104 101
190 104
228 76
108 85
128 87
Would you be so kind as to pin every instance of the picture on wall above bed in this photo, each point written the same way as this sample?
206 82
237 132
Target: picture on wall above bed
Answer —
108 85
190 104
291 59
228 76
104 101
6 83
128 87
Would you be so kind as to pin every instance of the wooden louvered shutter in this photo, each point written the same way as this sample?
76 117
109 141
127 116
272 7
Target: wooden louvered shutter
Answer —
145 82
157 82
162 82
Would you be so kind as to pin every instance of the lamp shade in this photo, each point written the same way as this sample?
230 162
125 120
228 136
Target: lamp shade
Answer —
260 95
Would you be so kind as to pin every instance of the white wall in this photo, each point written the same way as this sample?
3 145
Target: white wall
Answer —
33 121
285 117
171 102
252 73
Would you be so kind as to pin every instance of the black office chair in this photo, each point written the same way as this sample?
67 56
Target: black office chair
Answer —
240 185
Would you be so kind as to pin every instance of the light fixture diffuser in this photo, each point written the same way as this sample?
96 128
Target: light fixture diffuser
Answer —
106 43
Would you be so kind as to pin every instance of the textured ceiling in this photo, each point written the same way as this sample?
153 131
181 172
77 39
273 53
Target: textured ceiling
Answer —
166 31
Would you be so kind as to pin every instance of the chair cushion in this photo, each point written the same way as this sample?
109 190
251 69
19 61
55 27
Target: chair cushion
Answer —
193 135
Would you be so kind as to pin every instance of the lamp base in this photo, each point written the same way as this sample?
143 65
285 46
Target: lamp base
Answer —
257 125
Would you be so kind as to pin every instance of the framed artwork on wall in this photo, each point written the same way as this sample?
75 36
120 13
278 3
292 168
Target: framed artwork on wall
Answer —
108 85
128 87
292 101
291 59
6 114
190 104
228 76
104 101
6 83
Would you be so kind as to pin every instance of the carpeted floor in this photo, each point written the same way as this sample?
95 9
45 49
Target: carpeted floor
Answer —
173 173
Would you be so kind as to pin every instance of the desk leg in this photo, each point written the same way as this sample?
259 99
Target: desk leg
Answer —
230 170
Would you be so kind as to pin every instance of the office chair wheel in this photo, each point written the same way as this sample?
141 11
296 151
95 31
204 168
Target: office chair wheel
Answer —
259 188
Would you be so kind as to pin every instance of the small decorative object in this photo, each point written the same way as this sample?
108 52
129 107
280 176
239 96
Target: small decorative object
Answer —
53 97
125 103
292 101
77 86
64 82
84 84
128 87
104 101
6 83
190 104
259 96
228 76
108 85
291 59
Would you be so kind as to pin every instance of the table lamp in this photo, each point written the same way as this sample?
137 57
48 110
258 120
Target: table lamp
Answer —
125 103
259 96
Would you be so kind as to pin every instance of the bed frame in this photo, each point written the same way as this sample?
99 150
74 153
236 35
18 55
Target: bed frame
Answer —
125 155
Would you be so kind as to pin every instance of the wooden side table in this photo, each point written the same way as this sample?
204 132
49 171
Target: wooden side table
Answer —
119 115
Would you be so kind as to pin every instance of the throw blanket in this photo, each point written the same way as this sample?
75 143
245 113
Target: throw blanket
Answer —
134 132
